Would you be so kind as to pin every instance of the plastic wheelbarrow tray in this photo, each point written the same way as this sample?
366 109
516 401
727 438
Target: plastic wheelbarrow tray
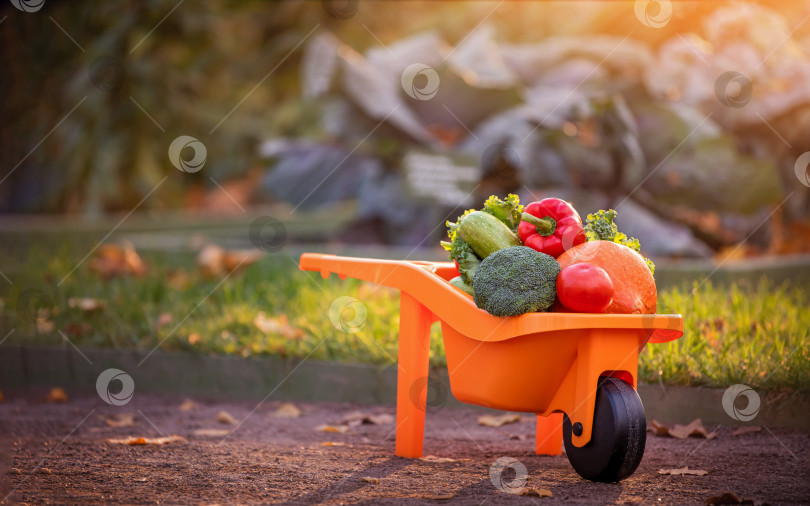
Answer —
577 372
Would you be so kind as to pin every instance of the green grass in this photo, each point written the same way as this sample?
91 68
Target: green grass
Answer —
749 334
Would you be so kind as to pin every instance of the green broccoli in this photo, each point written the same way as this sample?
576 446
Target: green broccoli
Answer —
515 280
600 227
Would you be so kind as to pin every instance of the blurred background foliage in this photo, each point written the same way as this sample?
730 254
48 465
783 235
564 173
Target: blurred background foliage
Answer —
297 105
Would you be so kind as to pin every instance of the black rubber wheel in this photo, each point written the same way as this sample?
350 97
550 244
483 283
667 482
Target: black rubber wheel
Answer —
619 434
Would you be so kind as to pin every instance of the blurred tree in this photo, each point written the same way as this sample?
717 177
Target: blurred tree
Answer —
89 114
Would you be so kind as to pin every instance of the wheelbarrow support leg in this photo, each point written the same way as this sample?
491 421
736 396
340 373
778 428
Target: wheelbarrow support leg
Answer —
549 434
412 377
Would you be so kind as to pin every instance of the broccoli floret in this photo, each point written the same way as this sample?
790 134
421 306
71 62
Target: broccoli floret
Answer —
515 280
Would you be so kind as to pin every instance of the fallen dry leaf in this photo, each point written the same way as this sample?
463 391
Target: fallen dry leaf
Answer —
239 259
370 479
122 420
45 470
44 325
683 471
332 443
226 418
287 410
658 428
211 432
381 419
211 261
536 492
724 498
356 418
695 428
135 441
87 304
214 261
163 319
746 430
56 394
112 260
438 460
440 497
277 326
189 405
177 279
342 429
498 420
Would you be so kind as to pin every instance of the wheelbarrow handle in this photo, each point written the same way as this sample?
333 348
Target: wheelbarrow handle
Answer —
366 269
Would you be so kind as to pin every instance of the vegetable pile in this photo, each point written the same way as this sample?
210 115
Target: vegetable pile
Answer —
514 260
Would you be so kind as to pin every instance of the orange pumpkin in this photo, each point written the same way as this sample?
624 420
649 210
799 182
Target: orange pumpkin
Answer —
634 285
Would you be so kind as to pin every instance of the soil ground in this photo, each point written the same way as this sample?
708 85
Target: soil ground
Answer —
57 453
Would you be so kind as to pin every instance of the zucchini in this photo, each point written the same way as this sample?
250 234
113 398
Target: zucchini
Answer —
486 234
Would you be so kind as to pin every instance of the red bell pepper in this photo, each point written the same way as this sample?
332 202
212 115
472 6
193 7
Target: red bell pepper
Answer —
551 226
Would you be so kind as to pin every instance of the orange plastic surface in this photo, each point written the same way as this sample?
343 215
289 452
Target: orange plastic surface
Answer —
543 363
549 434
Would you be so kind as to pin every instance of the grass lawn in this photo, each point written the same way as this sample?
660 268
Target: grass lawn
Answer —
755 335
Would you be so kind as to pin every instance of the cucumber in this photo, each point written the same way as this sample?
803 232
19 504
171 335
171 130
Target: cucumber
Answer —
461 285
486 234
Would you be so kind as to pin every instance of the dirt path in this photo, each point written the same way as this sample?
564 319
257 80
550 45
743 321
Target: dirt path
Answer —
56 453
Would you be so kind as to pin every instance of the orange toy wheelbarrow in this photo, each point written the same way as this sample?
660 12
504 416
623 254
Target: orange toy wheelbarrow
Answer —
576 372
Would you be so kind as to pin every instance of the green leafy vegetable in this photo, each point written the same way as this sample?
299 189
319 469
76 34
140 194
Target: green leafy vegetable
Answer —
461 285
507 210
462 253
600 227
